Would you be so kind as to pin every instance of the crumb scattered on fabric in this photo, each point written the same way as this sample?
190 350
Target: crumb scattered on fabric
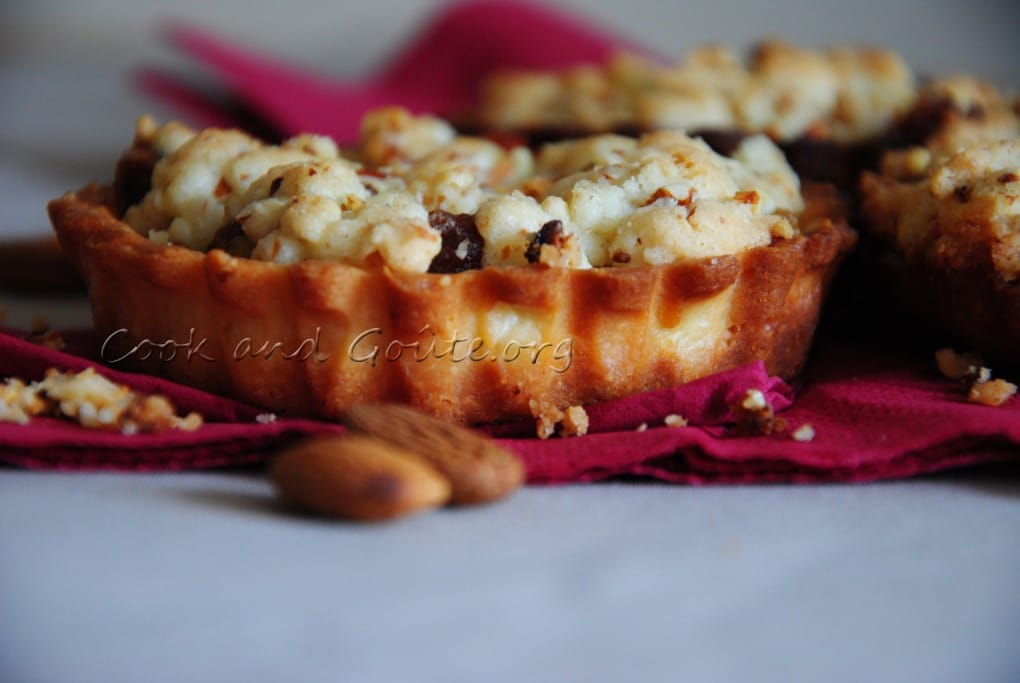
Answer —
969 370
265 418
92 401
551 420
19 401
674 420
994 392
754 416
804 433
575 421
642 427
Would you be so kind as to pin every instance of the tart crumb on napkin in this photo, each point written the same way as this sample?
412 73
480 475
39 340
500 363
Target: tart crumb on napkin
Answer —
92 401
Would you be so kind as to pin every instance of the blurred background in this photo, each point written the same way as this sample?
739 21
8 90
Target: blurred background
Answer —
346 38
68 105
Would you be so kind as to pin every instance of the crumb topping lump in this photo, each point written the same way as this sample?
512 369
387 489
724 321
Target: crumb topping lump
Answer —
959 209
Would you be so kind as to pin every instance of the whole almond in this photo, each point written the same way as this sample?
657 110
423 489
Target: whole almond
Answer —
479 469
356 477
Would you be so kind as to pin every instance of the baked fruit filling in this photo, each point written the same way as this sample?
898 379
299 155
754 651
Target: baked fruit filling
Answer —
417 197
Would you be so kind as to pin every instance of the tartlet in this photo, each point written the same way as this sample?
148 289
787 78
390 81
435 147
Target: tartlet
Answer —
829 110
942 217
246 278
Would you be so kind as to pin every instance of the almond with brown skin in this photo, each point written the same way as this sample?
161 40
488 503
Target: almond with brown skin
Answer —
356 477
479 470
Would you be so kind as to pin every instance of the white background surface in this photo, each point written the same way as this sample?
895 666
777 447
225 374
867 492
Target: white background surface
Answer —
199 577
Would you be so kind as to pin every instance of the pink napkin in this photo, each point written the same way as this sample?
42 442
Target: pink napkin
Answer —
875 416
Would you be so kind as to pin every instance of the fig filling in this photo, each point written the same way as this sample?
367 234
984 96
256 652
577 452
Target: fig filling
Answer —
132 178
462 243
926 119
550 233
231 239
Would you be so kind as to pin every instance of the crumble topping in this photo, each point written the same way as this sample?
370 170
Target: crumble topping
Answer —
951 115
964 209
973 113
616 201
93 401
953 197
19 401
845 93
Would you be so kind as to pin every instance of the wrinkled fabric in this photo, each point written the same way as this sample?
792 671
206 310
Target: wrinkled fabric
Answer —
875 416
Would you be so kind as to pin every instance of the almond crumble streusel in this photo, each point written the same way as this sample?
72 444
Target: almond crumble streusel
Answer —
844 93
602 201
93 401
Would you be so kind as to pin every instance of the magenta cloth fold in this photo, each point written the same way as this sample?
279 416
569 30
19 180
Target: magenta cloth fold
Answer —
875 416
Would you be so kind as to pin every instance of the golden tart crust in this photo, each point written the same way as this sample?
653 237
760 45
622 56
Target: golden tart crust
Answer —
298 339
